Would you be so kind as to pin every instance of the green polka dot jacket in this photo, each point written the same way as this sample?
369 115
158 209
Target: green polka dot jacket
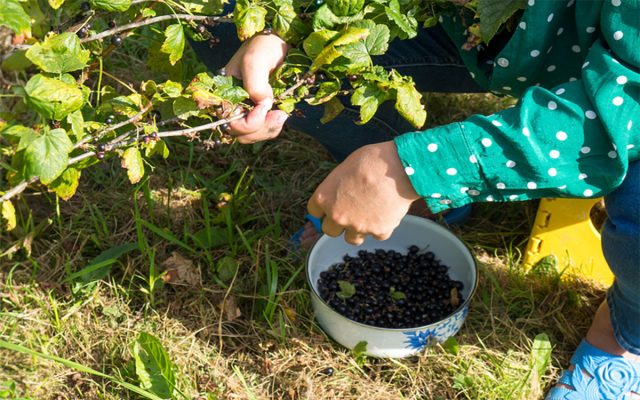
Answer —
575 65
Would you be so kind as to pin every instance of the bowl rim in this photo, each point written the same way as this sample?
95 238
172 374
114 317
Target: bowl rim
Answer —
421 327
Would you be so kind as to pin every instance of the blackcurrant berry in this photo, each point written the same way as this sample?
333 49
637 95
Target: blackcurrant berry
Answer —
222 71
154 136
267 31
353 77
116 40
88 26
224 127
146 138
201 28
82 33
100 155
110 119
85 6
101 148
112 24
155 115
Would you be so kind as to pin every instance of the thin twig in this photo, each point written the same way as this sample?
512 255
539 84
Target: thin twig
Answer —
112 128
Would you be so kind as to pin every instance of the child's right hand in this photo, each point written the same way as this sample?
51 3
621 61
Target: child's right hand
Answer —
253 63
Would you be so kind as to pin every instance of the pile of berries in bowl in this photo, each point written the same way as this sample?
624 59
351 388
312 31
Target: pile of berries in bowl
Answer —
397 295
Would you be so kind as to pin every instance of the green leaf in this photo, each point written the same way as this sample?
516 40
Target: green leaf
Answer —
493 13
153 366
540 355
396 295
324 18
157 147
76 120
377 42
368 97
27 135
47 156
288 25
184 108
326 91
226 268
173 44
171 89
132 161
12 15
249 18
204 7
316 42
332 109
228 88
351 35
111 5
99 267
360 348
408 27
53 98
8 215
347 290
357 58
59 53
288 105
451 346
408 104
66 184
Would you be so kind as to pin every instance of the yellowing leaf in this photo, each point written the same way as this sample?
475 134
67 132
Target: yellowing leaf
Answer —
132 161
8 215
13 15
173 44
66 184
409 106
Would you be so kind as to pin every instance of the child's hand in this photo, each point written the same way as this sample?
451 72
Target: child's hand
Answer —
253 63
367 194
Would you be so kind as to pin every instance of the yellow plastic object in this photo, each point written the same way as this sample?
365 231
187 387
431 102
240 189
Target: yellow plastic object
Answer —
563 228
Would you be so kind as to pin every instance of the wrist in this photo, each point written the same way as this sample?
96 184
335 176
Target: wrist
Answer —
396 171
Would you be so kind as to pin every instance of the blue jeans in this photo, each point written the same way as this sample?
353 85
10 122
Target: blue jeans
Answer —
621 248
434 63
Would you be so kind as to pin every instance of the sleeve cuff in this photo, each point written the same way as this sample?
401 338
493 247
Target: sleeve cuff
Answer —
441 166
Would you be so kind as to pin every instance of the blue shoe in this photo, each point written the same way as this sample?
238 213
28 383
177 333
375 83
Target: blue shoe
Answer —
597 375
455 217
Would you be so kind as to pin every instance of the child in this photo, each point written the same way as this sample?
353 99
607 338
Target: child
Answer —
575 65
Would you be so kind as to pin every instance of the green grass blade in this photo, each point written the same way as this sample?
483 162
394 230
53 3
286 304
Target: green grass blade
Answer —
78 367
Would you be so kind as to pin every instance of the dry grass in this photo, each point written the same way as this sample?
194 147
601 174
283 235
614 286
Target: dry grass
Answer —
215 333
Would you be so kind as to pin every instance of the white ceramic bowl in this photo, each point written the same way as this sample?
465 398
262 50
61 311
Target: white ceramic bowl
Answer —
388 342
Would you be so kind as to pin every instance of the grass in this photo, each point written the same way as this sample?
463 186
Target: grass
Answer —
211 275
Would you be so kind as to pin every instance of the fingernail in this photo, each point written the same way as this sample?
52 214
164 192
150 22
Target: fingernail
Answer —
283 118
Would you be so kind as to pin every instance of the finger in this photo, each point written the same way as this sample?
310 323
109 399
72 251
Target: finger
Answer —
354 237
381 237
273 126
254 121
255 79
313 207
331 228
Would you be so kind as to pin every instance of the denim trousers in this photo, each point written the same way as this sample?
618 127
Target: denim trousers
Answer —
433 62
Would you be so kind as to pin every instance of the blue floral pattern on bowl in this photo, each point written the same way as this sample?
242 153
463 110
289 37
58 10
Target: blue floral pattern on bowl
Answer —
418 340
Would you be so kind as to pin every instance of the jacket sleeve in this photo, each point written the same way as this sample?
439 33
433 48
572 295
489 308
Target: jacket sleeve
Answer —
575 140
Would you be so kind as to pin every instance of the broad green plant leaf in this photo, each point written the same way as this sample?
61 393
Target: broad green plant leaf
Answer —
227 88
316 42
47 156
377 42
332 51
540 355
249 18
288 25
66 184
13 16
59 53
76 120
133 163
53 98
408 104
368 97
451 346
332 109
173 44
8 216
111 5
347 290
204 7
153 366
326 91
493 13
407 26
227 268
